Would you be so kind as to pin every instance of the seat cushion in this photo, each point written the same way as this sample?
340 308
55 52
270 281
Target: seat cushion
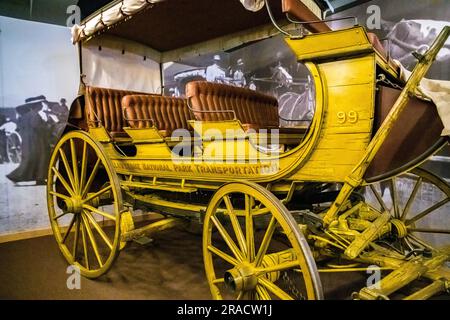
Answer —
218 102
103 107
165 113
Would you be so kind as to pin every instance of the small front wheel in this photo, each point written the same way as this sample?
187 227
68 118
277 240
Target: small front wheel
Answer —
254 249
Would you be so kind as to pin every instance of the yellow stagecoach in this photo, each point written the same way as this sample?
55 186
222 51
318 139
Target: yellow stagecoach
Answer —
278 205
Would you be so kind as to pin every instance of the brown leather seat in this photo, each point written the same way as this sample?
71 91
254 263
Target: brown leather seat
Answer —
217 102
166 113
104 108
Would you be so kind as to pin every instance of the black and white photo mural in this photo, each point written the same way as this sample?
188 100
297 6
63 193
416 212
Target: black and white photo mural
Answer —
268 66
38 81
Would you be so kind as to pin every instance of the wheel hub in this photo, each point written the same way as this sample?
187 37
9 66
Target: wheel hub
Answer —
74 205
241 278
400 228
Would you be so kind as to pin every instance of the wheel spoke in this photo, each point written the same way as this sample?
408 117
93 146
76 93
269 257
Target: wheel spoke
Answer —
219 280
236 225
59 195
408 243
265 241
427 211
97 211
75 243
278 267
74 164
99 230
68 169
85 248
226 237
92 240
393 192
411 199
420 242
379 198
97 194
249 231
426 230
91 178
262 293
84 161
69 228
272 287
61 215
223 255
63 181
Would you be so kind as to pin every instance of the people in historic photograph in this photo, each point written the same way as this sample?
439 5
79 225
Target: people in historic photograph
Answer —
174 92
55 114
9 126
3 151
33 128
238 74
407 36
280 74
8 133
215 72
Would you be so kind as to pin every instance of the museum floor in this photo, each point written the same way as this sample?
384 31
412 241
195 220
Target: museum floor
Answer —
169 268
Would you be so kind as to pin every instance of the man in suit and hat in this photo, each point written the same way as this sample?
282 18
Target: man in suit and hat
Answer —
238 74
215 72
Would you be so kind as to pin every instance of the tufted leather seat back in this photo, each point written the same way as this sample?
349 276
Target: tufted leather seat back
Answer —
213 101
166 113
104 105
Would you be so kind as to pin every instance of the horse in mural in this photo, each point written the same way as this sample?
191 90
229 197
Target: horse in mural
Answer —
407 36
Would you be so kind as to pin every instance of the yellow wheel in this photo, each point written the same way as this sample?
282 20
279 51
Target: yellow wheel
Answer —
419 202
254 249
84 203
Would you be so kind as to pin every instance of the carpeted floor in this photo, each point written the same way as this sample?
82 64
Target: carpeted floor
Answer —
169 268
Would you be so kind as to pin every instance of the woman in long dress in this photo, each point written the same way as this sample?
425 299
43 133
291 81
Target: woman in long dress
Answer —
35 145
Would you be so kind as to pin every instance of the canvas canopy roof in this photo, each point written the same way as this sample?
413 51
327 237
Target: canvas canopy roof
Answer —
172 28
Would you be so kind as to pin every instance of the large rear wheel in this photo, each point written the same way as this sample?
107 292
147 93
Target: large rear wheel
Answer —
84 203
419 202
254 249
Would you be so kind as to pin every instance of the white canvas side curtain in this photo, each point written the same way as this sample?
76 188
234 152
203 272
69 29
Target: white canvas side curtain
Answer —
118 11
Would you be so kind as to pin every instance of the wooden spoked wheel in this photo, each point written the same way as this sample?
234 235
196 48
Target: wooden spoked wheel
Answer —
254 249
84 203
419 202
